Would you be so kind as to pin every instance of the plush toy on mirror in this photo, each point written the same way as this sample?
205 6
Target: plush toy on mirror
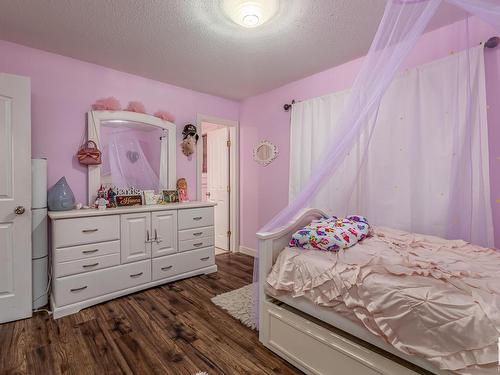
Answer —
190 138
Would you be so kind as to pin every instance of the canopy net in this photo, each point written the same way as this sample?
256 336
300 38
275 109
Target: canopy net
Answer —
403 23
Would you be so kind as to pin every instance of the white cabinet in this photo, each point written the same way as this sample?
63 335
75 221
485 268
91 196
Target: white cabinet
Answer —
135 237
100 255
164 232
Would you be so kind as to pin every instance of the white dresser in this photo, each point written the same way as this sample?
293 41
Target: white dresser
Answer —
100 255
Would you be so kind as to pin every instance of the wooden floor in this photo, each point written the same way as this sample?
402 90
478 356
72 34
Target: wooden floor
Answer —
172 329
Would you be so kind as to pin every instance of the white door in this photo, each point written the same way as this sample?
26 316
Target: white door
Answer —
135 237
15 198
218 183
164 232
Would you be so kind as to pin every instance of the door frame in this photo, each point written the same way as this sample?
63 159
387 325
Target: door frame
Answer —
234 173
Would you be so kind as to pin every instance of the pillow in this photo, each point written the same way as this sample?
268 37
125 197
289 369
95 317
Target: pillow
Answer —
331 234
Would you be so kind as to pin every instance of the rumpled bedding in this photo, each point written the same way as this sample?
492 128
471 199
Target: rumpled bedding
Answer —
434 298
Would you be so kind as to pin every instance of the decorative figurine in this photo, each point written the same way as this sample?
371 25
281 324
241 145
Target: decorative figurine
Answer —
182 190
111 197
102 203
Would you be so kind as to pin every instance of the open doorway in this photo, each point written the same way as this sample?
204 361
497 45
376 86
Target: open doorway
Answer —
217 172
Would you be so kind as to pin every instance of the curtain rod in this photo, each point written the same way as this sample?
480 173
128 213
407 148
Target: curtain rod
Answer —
492 42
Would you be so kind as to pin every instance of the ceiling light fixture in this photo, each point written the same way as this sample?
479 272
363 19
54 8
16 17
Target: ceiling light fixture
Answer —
250 13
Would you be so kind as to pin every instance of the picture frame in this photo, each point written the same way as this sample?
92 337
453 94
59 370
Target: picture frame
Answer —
170 196
149 197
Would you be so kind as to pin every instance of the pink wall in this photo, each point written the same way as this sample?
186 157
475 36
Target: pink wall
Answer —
265 189
63 90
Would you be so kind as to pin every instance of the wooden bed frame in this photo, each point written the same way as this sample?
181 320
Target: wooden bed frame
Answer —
310 345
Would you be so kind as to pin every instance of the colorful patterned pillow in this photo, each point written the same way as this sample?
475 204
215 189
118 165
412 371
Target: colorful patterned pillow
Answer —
331 234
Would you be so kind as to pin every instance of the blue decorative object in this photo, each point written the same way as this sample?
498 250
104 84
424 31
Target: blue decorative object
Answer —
60 197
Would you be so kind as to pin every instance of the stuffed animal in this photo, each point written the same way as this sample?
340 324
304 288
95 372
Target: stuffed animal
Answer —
190 138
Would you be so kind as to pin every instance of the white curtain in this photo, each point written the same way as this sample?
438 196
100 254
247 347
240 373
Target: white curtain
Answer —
406 176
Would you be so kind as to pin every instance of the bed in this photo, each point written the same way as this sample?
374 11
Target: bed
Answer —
304 322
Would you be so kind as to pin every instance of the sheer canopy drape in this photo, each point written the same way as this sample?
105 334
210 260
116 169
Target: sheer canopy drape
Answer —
405 179
401 26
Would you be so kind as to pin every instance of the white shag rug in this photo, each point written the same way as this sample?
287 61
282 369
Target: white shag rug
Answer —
238 303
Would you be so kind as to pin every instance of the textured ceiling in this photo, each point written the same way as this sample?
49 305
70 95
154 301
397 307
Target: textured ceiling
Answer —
190 43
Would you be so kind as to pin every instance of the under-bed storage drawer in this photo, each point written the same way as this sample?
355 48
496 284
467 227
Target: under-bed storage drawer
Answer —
196 217
76 288
70 232
172 265
319 351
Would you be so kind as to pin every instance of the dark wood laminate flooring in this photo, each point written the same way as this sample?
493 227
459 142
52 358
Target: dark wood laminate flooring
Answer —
172 329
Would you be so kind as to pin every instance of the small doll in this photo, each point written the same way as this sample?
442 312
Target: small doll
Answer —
182 190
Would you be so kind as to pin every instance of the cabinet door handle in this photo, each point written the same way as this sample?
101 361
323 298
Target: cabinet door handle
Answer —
197 234
166 268
198 244
89 230
197 218
137 274
157 238
205 258
78 289
89 251
147 236
90 265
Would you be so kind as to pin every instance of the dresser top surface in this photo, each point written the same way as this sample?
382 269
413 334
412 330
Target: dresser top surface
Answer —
87 212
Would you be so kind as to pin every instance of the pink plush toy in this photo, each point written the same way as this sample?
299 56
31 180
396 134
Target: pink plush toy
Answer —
106 104
135 106
164 115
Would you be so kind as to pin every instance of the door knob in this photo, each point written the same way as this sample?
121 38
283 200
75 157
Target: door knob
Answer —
19 210
208 194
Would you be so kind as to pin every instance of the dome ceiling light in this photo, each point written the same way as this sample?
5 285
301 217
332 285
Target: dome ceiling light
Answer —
250 13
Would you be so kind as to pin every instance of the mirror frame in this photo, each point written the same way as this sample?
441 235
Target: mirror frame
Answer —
94 119
274 153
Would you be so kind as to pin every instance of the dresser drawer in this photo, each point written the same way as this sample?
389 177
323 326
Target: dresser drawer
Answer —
190 234
76 288
196 217
197 243
69 232
86 265
67 254
172 265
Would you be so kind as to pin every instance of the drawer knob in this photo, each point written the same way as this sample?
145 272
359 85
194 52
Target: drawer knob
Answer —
197 218
197 234
90 265
198 244
136 274
78 289
90 251
89 230
204 259
166 268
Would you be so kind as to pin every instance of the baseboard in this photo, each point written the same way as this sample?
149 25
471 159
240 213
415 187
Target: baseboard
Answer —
248 251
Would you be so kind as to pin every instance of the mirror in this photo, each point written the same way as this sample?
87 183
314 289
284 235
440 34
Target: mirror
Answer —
138 150
265 152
